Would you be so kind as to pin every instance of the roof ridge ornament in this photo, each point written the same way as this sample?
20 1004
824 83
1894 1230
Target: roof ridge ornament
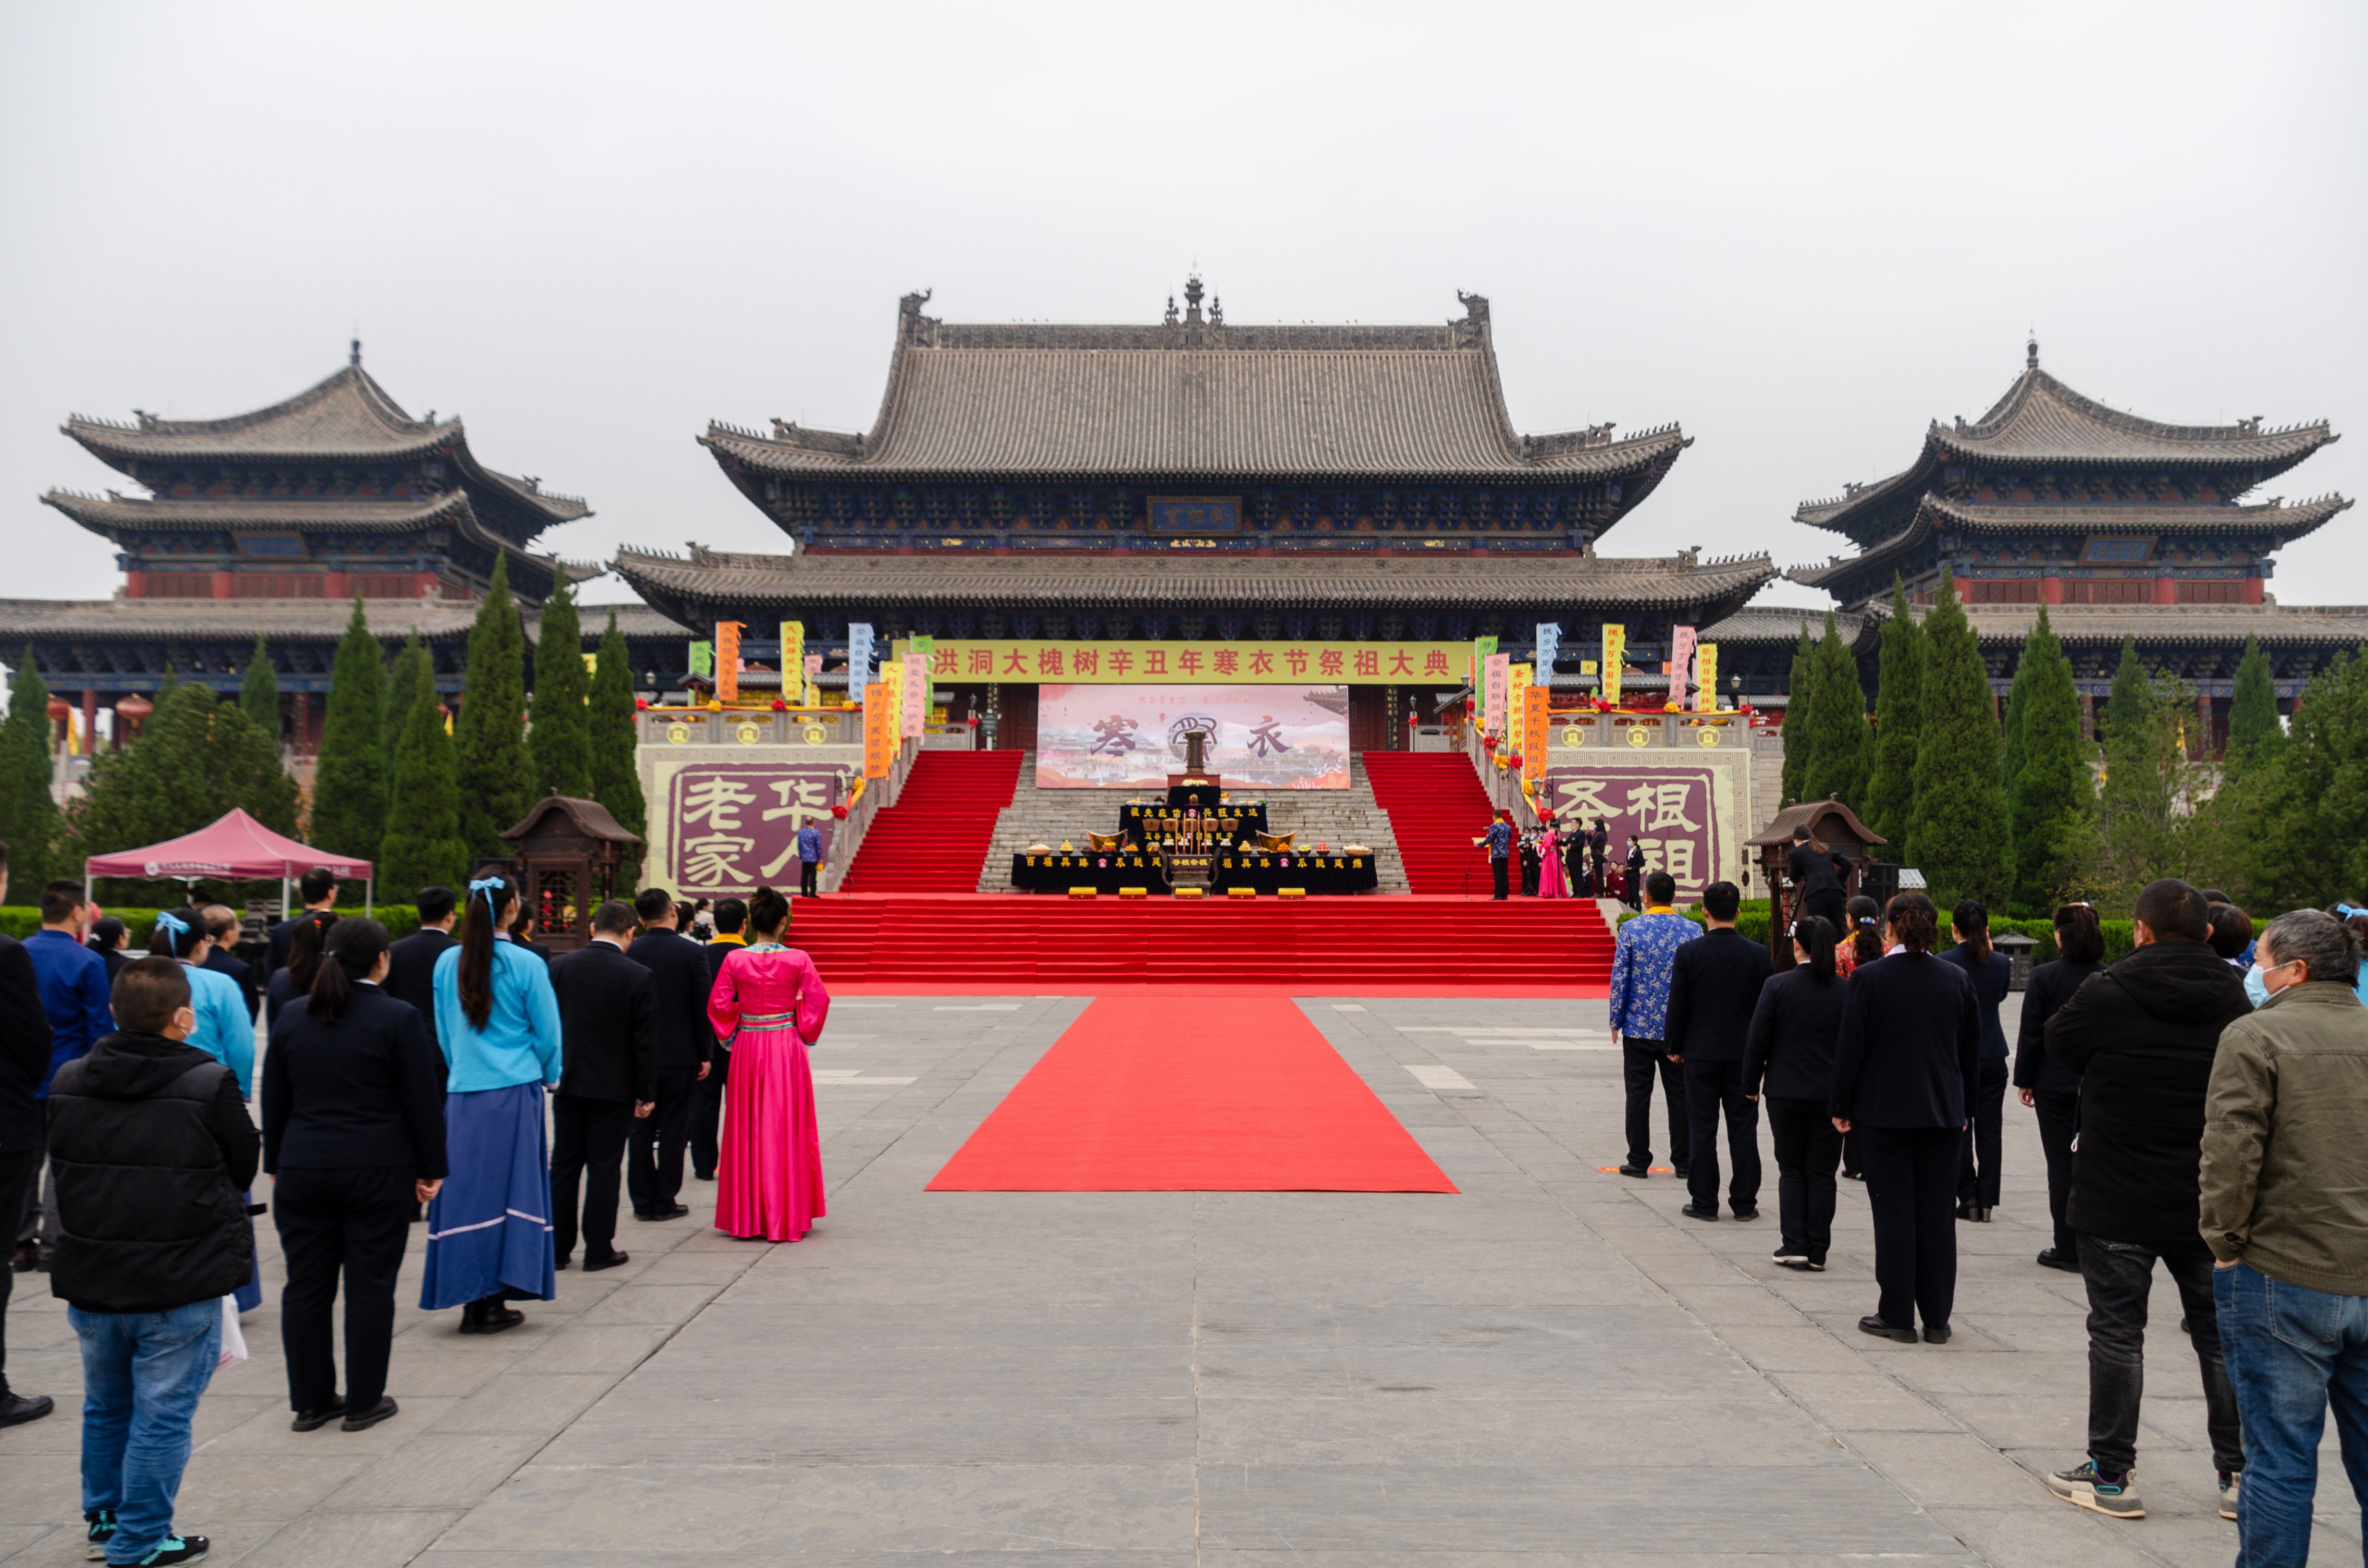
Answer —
2030 356
354 353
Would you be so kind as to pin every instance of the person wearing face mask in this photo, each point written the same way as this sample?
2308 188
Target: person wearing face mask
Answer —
2284 1206
2142 1036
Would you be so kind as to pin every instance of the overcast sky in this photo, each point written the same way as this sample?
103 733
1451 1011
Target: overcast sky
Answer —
1800 231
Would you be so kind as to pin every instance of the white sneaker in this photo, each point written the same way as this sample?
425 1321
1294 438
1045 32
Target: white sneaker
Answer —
2229 1486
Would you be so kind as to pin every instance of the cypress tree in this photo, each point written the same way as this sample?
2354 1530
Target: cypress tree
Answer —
422 846
616 777
496 780
1898 698
1957 834
349 773
196 759
2138 827
2307 843
2051 796
258 693
1798 735
29 823
2254 734
1837 761
414 677
561 739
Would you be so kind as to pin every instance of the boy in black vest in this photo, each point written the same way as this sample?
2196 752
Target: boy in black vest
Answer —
153 1153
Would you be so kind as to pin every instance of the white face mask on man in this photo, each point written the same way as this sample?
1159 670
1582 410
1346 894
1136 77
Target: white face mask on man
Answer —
2258 988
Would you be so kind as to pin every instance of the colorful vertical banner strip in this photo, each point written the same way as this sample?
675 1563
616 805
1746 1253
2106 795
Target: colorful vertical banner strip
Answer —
813 669
727 661
793 660
702 658
1681 662
858 663
1537 704
1549 650
916 706
879 729
1496 684
1615 659
1517 679
1706 677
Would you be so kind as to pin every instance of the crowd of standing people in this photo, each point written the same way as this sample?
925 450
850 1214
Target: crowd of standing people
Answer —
2199 1104
402 1082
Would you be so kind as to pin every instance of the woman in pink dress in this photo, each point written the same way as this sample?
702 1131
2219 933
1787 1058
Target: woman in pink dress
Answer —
1551 883
769 1001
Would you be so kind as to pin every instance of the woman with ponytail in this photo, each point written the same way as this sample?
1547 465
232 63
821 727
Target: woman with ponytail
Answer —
2047 1084
1977 1173
767 1006
292 981
353 1137
1906 1071
1791 1051
489 1240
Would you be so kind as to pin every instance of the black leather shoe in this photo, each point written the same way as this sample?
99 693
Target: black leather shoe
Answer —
560 1262
26 1255
489 1317
1936 1334
1639 1172
2056 1258
615 1259
1692 1212
1678 1170
702 1176
1882 1330
16 1409
313 1420
375 1413
1750 1212
671 1211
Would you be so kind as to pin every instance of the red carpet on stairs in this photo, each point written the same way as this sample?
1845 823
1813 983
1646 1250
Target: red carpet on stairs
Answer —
935 838
1405 943
1222 1094
1436 808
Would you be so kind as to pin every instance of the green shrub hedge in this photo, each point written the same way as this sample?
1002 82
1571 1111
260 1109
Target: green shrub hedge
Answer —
22 920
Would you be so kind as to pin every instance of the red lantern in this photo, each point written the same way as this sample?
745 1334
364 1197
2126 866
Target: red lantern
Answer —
58 707
839 811
133 710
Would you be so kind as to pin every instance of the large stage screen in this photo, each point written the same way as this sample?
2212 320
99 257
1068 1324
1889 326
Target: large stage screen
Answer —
1131 737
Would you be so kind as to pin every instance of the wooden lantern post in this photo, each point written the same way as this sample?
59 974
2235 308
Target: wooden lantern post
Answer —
567 853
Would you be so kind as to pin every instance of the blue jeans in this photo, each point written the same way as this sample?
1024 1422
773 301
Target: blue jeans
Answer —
143 1374
2291 1352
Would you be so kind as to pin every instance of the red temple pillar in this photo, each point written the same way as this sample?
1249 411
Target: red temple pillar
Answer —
2166 590
2051 590
89 721
2253 588
224 588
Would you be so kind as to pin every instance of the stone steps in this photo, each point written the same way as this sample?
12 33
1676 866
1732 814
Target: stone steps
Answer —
1049 817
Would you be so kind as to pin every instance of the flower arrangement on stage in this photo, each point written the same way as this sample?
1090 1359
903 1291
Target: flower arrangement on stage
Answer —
1489 743
839 812
781 705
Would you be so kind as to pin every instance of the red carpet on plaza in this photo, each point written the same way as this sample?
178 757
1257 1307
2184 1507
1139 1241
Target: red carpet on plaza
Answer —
1206 1093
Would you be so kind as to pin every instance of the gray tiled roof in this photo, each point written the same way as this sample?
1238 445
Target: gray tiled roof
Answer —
112 513
1782 624
2041 419
348 416
1195 400
2040 422
303 619
1479 580
2289 522
2171 623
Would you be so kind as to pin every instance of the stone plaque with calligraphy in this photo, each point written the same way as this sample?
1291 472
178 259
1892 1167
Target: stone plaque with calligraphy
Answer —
735 825
1671 811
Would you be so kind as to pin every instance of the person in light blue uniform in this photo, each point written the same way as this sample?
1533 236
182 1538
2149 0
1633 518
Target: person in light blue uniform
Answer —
225 1031
489 1238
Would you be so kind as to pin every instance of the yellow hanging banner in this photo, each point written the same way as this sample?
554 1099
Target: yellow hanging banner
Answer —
1615 659
727 661
793 659
880 724
1537 702
1081 663
1706 663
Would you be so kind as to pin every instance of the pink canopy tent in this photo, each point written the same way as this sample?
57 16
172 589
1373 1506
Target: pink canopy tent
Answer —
236 848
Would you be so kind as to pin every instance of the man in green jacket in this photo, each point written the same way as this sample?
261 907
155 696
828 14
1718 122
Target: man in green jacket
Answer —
2284 1209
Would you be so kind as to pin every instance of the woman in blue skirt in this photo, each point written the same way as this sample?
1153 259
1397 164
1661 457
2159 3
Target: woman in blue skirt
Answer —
497 1021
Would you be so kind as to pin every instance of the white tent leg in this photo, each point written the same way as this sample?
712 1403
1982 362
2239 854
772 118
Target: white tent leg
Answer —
283 895
367 885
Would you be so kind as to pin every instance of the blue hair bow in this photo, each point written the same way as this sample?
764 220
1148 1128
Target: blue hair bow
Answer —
488 886
173 923
2345 912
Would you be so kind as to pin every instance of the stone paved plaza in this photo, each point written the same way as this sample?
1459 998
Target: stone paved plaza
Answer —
1553 1368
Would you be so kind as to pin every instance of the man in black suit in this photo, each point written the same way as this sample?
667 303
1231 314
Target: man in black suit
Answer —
24 1064
319 890
608 1075
1714 986
706 1095
654 1156
410 962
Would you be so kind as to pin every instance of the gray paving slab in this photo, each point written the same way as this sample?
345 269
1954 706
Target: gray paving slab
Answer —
1549 1368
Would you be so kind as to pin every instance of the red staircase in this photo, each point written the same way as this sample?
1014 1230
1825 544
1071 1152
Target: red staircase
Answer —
1333 944
1437 807
935 838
